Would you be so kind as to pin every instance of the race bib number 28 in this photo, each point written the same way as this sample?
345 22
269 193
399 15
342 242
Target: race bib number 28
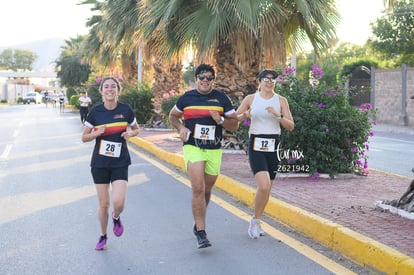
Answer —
110 149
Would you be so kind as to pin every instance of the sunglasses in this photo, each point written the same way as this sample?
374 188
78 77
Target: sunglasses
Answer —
202 77
268 79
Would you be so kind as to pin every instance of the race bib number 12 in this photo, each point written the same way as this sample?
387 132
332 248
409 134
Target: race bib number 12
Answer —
264 144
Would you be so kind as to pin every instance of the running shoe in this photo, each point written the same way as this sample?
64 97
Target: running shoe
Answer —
254 228
261 231
101 244
202 241
195 229
118 226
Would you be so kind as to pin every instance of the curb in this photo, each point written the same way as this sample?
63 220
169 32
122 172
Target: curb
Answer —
352 245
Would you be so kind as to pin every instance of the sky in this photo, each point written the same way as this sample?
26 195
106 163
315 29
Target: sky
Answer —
356 17
24 21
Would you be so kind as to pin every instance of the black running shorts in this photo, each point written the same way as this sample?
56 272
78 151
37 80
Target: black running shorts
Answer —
108 175
264 161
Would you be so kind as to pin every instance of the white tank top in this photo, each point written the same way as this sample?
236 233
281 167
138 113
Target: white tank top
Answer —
262 121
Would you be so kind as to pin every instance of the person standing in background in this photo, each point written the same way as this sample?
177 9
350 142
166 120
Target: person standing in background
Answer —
61 102
84 103
267 112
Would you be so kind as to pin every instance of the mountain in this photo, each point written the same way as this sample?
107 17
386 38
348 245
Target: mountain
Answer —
47 50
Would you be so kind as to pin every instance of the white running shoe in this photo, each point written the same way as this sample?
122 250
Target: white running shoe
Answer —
261 231
254 228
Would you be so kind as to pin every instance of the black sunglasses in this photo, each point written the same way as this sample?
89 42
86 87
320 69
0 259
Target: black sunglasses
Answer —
202 77
269 79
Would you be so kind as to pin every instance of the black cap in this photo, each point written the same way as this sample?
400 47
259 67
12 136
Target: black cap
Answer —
266 72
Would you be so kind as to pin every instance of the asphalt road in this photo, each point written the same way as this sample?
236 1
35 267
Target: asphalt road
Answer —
48 222
392 152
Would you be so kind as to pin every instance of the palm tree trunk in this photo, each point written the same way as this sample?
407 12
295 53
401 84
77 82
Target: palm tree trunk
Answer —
236 79
167 77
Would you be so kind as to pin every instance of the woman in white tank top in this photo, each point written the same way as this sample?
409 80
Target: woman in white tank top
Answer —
267 112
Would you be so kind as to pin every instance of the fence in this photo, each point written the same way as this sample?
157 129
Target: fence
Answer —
391 93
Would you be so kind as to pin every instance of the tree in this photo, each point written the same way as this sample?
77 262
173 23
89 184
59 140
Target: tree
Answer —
71 69
239 37
393 33
17 59
332 62
108 43
113 42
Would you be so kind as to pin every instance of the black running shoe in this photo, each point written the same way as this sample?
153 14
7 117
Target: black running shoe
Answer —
202 240
195 229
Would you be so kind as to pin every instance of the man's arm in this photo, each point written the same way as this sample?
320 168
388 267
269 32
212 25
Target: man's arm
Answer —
230 122
175 120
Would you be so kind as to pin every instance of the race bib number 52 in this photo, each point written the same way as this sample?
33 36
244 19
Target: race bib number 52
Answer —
110 149
205 132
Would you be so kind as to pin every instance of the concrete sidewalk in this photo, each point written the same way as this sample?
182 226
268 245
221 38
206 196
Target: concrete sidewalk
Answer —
339 213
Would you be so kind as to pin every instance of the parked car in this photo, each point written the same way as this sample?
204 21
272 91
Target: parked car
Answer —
34 97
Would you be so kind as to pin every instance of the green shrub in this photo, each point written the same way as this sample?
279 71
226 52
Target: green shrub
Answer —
167 104
330 135
93 90
70 92
74 101
140 100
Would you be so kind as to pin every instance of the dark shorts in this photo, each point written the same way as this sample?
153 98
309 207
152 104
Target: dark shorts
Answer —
108 175
264 161
83 111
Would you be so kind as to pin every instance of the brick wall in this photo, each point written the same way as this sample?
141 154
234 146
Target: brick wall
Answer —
387 96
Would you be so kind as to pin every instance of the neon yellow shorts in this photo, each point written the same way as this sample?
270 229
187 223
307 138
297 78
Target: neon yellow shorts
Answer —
212 157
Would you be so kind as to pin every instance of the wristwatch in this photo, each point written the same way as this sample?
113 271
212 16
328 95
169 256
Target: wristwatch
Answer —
221 120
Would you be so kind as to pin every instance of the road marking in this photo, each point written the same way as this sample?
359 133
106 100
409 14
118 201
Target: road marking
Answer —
16 133
271 231
6 151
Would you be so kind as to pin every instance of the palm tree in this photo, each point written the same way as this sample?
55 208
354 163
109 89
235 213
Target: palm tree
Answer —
70 67
239 37
113 39
108 40
388 3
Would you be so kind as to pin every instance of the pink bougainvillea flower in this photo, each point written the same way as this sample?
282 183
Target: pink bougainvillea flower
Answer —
315 176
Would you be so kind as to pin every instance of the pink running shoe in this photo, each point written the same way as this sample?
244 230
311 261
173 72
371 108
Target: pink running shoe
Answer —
101 244
118 226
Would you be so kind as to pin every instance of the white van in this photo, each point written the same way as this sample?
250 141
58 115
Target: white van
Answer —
32 97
